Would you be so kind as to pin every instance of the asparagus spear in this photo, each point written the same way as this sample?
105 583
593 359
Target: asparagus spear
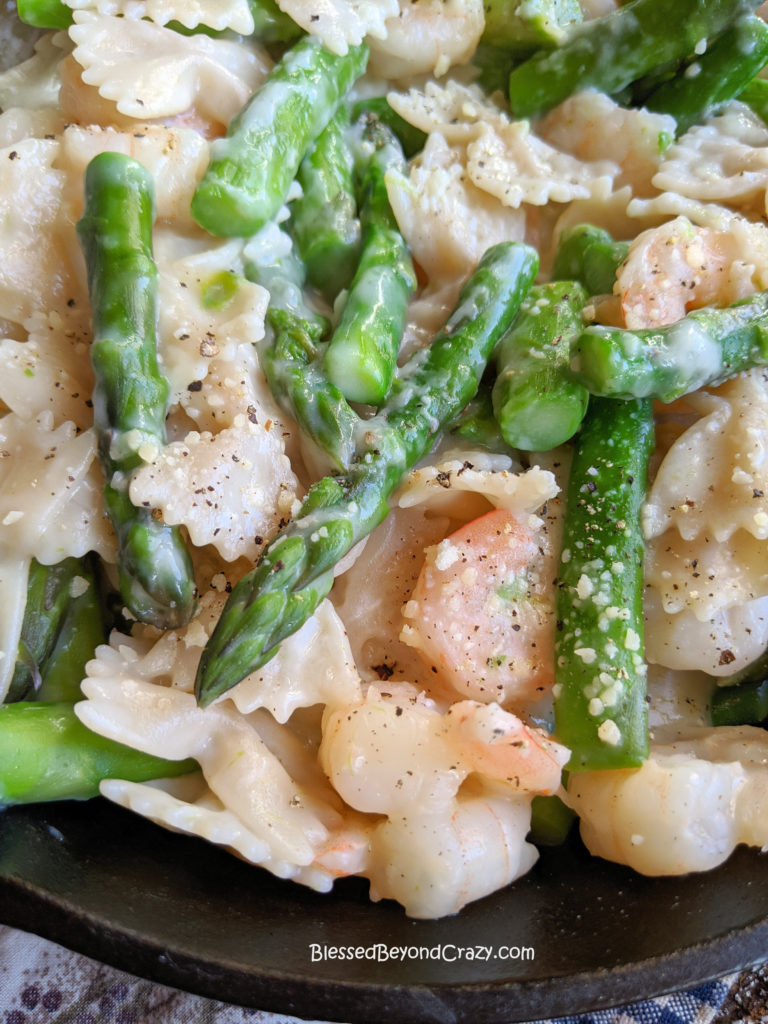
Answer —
611 52
521 28
551 821
130 395
84 626
537 404
706 347
589 255
476 422
48 591
271 25
745 703
295 571
362 353
755 95
324 221
717 76
52 14
600 671
411 138
63 624
292 364
252 168
46 753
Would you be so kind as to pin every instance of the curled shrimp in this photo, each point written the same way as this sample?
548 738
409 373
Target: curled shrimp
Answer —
437 862
483 609
677 267
427 36
455 787
395 750
685 809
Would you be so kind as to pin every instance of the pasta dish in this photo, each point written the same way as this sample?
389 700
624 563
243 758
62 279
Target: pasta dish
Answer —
383 470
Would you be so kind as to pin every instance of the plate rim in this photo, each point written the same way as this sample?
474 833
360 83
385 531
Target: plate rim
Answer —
28 907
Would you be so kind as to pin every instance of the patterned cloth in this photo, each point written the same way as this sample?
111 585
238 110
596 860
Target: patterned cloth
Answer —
42 983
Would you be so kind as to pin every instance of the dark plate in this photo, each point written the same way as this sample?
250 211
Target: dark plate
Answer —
174 909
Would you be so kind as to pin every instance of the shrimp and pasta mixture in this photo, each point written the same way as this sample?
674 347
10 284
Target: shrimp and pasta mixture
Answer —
383 471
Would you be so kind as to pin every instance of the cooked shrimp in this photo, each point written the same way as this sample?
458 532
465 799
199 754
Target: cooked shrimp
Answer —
677 267
483 609
427 35
345 853
496 743
437 862
685 809
395 751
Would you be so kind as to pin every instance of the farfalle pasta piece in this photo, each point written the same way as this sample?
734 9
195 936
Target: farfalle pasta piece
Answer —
234 386
724 160
34 84
726 643
372 616
453 476
425 36
51 369
447 221
229 489
187 805
151 72
714 479
238 766
456 111
503 157
706 515
50 490
206 310
314 666
35 247
341 23
592 126
262 793
517 167
175 157
216 14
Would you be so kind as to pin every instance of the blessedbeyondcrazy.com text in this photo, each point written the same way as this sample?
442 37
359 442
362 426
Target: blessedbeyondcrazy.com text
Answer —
448 952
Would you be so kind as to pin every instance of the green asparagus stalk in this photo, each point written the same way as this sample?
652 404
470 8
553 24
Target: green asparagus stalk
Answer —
589 255
703 348
537 404
743 704
84 626
411 138
130 395
600 670
476 422
295 571
48 591
63 624
324 221
611 52
362 353
46 753
755 95
50 14
291 359
522 28
715 77
551 821
252 168
271 25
